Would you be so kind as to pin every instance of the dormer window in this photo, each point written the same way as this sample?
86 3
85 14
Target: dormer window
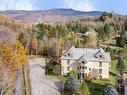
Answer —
100 56
83 62
68 54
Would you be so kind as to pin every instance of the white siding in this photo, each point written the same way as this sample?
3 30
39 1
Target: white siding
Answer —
125 89
64 65
105 67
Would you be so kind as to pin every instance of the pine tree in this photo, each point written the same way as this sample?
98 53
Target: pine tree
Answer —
72 84
109 90
120 66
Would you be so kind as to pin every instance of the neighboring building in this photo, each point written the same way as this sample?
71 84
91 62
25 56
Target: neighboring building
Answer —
122 84
86 61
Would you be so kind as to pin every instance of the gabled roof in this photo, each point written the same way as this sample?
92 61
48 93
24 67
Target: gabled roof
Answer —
88 54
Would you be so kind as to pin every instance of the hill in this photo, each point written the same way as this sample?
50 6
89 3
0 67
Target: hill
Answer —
49 16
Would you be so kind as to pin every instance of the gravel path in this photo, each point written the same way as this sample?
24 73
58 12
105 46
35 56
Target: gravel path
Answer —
42 84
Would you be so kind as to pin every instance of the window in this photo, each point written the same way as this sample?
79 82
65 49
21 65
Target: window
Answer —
68 62
100 71
68 54
83 75
100 56
82 67
89 69
83 62
85 67
100 64
68 74
78 68
68 68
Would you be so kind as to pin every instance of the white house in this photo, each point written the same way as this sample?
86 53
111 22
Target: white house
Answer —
86 61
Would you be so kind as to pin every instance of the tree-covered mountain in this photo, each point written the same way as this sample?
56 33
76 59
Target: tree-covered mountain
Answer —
49 16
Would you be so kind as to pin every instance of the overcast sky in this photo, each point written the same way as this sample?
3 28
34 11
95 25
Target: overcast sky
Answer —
118 6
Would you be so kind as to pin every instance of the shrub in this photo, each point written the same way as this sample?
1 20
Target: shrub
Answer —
88 78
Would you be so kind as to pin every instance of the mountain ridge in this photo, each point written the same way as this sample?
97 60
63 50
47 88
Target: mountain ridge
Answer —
50 15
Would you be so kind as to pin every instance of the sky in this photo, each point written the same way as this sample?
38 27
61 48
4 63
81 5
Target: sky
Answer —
118 6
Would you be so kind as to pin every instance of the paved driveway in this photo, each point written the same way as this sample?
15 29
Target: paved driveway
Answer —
42 84
19 83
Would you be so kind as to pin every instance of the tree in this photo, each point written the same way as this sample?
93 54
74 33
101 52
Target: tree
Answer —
92 38
122 40
126 25
3 86
72 84
73 72
34 45
11 58
120 66
107 30
7 36
109 90
20 54
7 57
109 49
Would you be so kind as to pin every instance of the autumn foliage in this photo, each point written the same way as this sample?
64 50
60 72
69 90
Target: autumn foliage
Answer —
11 58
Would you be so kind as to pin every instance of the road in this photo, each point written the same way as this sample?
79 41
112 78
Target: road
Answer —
40 83
19 83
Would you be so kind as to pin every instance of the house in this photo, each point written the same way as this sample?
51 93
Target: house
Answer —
86 61
122 83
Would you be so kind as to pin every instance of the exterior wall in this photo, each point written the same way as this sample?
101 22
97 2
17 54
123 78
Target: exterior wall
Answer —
125 89
104 67
64 65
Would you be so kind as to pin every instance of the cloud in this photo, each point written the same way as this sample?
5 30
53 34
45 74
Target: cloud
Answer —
17 5
82 5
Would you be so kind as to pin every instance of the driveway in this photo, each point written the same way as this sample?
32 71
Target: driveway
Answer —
40 83
19 83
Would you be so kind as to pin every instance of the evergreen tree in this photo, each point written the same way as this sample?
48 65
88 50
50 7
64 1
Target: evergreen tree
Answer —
107 30
72 84
122 40
109 90
120 66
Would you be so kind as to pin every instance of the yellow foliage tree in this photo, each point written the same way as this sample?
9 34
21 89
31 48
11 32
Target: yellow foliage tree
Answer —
11 58
6 56
20 54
